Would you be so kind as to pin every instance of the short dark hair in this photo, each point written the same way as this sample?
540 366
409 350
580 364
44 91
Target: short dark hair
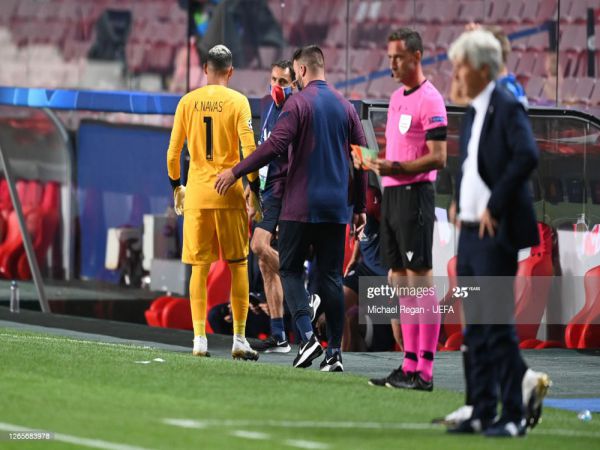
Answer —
285 64
311 56
219 58
412 39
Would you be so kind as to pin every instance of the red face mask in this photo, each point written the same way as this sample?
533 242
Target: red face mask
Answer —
279 94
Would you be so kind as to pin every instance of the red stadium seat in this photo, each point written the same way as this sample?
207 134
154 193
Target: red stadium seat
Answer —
43 229
497 11
574 329
154 313
573 37
177 314
174 312
469 12
454 342
583 93
595 98
532 285
534 88
513 12
219 284
549 344
451 322
12 248
529 343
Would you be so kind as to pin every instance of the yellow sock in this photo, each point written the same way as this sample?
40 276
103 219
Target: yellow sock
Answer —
198 298
239 295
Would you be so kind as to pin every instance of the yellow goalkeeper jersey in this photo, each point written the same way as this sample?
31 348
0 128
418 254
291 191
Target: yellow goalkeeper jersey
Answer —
214 119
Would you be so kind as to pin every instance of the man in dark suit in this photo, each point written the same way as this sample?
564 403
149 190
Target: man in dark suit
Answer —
498 153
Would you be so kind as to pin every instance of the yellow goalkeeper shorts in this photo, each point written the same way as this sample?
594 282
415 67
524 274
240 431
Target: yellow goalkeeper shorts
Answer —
205 231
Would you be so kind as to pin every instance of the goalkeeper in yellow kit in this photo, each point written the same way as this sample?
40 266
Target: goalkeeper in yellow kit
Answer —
214 119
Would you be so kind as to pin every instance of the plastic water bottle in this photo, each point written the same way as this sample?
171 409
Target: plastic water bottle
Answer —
14 297
581 226
585 415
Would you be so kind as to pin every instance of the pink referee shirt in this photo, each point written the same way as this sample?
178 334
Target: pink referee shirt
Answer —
409 118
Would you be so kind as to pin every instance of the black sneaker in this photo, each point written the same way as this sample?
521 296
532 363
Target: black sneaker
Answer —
399 379
506 429
384 380
410 380
307 352
469 426
332 363
421 384
272 345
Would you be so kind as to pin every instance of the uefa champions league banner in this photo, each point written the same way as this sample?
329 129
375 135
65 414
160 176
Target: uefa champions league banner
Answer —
107 101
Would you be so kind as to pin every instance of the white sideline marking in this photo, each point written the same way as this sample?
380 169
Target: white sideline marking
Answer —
93 443
250 434
190 423
199 424
75 341
305 444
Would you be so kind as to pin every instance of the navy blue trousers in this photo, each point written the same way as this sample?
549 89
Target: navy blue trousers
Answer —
328 242
495 361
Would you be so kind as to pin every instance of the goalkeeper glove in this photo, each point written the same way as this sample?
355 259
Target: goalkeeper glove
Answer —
178 199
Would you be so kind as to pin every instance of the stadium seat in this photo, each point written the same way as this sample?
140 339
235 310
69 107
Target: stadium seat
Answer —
382 87
336 35
534 88
575 11
595 98
451 322
549 344
177 314
583 93
529 344
154 313
219 284
29 193
547 10
573 37
497 11
454 342
469 11
532 285
513 12
574 330
7 10
174 312
439 11
567 90
538 42
43 230
447 35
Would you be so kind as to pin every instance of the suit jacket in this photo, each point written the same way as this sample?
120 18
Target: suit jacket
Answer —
507 156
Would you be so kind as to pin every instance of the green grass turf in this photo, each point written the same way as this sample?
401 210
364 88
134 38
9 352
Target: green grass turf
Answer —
90 390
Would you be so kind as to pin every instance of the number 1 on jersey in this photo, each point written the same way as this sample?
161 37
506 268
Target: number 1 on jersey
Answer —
209 138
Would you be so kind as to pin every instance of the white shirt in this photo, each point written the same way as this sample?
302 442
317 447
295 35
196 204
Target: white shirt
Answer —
474 193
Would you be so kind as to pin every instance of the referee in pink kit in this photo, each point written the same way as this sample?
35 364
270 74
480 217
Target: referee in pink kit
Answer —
416 148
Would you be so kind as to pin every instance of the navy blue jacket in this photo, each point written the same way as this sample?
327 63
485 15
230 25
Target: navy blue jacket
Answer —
507 156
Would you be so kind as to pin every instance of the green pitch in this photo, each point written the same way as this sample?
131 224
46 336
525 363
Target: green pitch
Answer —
84 391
